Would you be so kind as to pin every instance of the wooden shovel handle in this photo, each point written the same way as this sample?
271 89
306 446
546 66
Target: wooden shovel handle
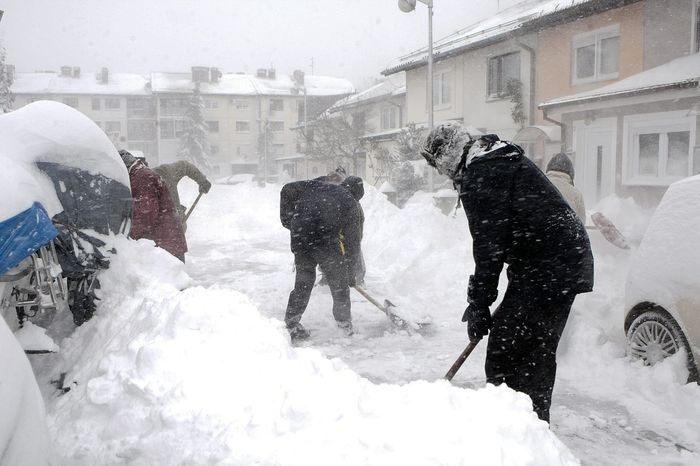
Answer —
460 360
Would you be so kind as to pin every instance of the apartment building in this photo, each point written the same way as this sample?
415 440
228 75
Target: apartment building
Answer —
250 117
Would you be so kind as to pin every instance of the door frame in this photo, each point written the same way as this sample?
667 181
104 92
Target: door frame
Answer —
583 128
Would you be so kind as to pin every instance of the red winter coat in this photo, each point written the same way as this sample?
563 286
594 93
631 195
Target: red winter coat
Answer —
155 216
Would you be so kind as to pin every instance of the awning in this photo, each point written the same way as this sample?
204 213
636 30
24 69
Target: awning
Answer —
538 133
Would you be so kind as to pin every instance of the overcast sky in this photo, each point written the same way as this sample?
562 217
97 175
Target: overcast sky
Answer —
346 38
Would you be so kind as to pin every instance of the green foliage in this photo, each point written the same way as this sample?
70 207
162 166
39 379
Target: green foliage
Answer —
514 93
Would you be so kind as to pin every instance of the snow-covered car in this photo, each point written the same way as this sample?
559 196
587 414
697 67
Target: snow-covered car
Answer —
63 185
662 296
236 179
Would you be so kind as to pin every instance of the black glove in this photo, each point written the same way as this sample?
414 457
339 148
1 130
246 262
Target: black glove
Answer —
478 320
205 187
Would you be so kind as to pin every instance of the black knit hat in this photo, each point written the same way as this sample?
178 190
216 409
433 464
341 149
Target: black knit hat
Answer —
127 158
355 185
561 163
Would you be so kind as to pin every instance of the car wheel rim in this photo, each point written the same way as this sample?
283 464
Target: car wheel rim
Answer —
652 342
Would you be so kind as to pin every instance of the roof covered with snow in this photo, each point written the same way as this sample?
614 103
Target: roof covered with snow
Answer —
394 86
248 84
678 73
86 83
497 27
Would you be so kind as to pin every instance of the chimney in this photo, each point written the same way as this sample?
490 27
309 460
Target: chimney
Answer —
262 73
200 74
298 77
104 76
215 74
66 71
271 73
76 71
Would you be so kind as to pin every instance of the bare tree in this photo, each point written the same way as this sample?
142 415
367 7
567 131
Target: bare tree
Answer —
6 96
338 139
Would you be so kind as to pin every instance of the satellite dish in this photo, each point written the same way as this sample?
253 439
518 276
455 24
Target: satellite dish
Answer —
407 6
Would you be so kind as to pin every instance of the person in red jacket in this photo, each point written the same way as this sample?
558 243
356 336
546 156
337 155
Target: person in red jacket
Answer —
154 214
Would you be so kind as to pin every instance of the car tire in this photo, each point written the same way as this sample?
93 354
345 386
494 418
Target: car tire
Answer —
655 335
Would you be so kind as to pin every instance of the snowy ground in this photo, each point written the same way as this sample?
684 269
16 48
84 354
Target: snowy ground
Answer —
139 362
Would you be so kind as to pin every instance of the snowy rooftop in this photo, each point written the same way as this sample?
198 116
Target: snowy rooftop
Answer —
485 31
248 84
86 83
396 85
681 72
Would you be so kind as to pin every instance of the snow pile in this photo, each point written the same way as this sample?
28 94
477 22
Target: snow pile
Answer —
165 376
49 132
24 438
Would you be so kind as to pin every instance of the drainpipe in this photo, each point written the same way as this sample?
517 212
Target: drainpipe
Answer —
531 109
560 125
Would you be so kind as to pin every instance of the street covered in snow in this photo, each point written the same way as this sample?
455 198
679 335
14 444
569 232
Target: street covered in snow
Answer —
192 364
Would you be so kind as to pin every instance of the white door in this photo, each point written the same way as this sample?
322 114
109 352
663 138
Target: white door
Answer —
594 158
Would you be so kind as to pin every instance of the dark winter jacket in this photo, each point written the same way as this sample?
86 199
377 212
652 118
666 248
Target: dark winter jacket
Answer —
155 217
317 214
172 173
517 217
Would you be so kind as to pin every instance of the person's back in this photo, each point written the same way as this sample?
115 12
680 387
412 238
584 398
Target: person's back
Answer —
546 243
172 173
560 171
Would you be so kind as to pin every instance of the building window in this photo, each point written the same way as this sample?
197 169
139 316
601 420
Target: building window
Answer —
596 55
112 104
276 125
210 103
389 117
171 129
502 69
213 126
71 101
660 148
113 128
141 130
442 88
241 104
242 126
95 104
276 105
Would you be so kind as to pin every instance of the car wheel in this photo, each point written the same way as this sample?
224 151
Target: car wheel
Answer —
654 336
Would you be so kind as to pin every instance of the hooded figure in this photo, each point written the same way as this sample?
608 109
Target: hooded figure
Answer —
154 214
516 217
325 223
560 172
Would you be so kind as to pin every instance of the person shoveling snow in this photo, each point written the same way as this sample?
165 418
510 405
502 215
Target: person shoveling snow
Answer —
516 217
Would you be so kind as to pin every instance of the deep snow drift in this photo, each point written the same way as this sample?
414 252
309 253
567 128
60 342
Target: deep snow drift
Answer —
164 376
207 374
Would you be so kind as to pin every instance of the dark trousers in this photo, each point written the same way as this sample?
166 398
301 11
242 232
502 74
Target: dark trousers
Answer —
522 348
334 269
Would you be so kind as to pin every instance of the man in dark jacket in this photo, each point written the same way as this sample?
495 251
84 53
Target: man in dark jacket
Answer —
172 173
325 223
516 217
154 214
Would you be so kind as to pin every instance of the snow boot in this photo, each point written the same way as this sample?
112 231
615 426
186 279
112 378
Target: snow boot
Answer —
298 333
346 327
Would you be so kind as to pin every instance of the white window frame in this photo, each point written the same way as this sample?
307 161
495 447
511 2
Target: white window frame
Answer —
662 123
391 113
278 128
438 98
241 104
594 38
500 56
111 100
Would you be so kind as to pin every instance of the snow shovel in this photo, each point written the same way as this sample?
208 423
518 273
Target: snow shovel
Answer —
460 360
609 231
194 204
385 308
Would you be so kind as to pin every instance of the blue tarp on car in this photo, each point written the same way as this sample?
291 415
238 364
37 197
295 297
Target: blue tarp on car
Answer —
23 234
